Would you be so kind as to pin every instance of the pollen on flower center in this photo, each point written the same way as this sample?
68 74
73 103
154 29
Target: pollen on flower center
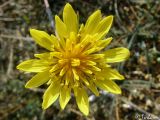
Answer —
75 62
70 62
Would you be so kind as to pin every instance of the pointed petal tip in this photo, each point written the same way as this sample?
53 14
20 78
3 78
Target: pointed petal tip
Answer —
17 67
110 38
120 92
68 5
86 113
62 106
27 86
127 53
98 11
56 17
118 54
111 17
44 107
122 77
31 30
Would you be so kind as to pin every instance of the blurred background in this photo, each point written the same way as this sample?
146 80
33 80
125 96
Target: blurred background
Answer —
136 26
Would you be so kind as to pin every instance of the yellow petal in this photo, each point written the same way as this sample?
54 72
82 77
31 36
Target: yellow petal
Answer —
55 42
68 77
113 74
86 70
42 55
38 80
90 51
104 43
76 76
63 71
97 56
70 18
93 88
43 39
108 73
109 86
51 95
92 22
95 68
56 54
90 63
81 28
82 101
75 89
75 62
60 27
64 96
54 68
33 65
116 55
104 26
83 78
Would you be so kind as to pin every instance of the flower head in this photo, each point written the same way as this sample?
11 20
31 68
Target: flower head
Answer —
76 60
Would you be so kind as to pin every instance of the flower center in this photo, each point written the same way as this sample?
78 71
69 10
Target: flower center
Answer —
75 62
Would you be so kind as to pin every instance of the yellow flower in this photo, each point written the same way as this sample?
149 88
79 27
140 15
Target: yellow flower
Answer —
76 60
